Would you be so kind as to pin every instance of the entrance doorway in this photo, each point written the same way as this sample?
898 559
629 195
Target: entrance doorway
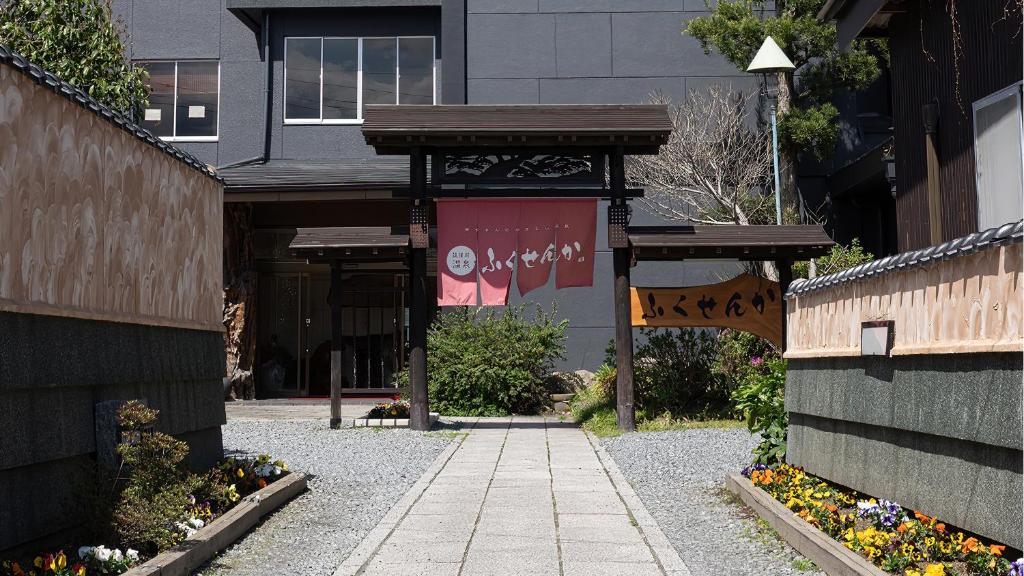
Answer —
294 332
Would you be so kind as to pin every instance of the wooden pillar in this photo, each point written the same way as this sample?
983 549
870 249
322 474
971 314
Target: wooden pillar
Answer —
785 268
931 147
618 240
336 344
419 416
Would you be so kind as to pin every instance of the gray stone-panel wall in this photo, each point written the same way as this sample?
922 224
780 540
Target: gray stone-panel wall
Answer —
581 51
53 372
937 433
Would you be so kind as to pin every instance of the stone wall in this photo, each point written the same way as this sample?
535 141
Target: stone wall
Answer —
110 289
937 425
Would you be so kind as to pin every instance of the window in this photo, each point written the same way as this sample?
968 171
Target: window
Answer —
999 157
329 80
183 99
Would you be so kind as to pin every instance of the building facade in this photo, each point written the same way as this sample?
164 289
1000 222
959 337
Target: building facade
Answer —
271 93
956 111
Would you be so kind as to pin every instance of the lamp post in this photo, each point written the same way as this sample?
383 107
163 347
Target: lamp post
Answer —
769 61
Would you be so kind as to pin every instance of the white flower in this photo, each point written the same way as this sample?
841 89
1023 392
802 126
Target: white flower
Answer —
277 470
133 555
84 552
196 523
186 528
101 553
116 555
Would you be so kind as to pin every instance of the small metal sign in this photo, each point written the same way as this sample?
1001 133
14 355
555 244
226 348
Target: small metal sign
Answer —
745 302
876 338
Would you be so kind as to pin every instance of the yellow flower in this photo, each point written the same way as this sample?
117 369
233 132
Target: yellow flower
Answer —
38 562
912 572
935 570
62 561
240 473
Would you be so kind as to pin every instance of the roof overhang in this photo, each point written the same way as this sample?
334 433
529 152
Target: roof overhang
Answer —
855 18
281 176
638 129
251 11
728 242
351 244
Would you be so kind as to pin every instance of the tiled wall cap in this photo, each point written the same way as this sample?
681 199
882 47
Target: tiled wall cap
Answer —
974 242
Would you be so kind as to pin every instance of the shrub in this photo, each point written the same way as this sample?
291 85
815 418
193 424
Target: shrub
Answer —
761 401
491 363
736 351
673 373
156 491
838 259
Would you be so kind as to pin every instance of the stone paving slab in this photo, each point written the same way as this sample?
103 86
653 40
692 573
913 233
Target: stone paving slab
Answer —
518 496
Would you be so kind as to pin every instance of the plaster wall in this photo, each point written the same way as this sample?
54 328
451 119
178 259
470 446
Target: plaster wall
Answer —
110 289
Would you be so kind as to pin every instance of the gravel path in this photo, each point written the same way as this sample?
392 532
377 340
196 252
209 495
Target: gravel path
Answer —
680 476
356 475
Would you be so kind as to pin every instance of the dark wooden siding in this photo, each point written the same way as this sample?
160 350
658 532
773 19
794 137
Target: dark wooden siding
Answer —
923 69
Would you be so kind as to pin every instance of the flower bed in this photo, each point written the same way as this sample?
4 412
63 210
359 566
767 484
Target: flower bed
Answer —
398 409
891 537
156 506
242 476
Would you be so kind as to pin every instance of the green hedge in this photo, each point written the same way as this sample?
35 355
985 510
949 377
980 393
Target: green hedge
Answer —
491 362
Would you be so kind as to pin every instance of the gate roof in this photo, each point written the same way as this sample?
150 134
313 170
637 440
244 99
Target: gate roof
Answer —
638 128
728 241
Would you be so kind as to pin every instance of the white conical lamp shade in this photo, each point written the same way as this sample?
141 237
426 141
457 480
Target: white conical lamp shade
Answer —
770 58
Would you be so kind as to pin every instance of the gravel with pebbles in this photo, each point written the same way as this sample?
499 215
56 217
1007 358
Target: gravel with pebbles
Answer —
680 477
356 475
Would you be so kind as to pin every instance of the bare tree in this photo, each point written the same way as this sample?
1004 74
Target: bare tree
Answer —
715 169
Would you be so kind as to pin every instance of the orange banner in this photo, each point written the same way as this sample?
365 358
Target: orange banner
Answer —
745 303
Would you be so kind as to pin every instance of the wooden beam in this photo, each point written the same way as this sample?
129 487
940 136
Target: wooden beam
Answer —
785 268
621 259
337 380
934 192
419 410
624 396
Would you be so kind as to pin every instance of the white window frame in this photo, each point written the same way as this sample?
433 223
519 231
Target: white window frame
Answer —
174 106
1013 90
321 121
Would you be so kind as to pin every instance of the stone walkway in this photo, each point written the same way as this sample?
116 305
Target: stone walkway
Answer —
524 496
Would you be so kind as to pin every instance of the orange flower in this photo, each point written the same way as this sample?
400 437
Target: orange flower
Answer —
261 483
940 527
924 519
969 545
996 549
902 528
831 507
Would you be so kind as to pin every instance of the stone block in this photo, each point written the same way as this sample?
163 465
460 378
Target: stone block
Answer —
974 486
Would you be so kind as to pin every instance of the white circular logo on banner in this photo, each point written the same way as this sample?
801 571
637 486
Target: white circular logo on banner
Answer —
461 260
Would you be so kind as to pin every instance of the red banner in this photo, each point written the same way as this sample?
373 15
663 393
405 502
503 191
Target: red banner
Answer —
491 237
576 235
537 221
498 227
456 253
